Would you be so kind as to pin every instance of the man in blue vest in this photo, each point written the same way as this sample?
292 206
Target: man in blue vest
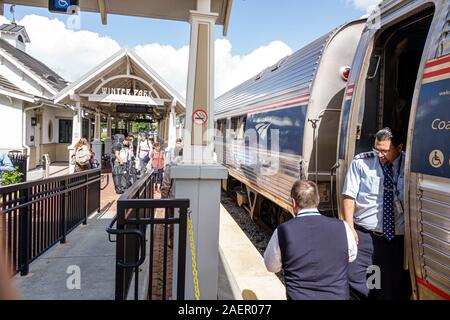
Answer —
373 208
5 165
313 250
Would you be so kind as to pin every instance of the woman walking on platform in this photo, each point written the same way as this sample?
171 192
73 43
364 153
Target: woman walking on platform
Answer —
157 163
82 154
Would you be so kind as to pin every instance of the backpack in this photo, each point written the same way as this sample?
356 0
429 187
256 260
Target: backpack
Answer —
82 156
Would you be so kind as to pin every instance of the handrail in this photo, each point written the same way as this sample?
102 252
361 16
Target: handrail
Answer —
44 212
141 238
135 217
72 187
28 184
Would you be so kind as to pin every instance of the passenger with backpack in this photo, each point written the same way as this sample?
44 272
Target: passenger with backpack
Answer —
144 149
81 157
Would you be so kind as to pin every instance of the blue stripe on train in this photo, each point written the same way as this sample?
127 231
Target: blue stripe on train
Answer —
261 129
431 143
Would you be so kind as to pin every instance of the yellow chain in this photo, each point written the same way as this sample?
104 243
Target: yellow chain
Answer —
194 263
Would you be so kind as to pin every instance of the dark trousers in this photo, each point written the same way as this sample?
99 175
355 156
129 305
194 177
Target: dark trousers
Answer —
118 177
374 250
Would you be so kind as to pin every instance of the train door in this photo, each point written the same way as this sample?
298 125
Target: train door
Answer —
428 170
381 85
386 94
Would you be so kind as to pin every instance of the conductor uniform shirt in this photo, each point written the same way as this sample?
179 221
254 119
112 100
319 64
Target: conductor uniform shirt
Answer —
364 183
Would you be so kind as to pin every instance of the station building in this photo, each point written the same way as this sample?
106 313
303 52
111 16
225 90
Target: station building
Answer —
41 113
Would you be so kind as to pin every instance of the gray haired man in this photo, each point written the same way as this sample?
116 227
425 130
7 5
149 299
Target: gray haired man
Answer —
313 250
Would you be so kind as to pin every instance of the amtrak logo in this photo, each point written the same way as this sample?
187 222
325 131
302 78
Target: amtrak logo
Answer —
262 129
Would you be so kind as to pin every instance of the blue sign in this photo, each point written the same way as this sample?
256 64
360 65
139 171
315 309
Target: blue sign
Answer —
431 143
62 4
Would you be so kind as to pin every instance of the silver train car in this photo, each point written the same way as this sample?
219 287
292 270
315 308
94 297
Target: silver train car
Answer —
271 128
401 78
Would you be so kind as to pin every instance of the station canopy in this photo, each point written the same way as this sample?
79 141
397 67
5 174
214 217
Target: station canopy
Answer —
124 87
159 9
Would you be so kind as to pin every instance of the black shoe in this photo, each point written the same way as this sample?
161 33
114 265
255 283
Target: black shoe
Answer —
119 191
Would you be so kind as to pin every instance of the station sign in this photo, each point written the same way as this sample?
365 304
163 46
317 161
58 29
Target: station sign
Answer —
63 6
133 109
126 92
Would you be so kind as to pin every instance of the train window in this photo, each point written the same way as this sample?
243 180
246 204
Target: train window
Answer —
391 78
238 127
220 127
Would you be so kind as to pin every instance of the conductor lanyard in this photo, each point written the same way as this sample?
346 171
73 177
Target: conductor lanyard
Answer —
395 181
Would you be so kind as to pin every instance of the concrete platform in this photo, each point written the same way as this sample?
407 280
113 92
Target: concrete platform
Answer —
56 169
244 275
88 249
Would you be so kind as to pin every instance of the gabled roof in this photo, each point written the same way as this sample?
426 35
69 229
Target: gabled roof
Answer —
46 75
4 83
97 72
14 28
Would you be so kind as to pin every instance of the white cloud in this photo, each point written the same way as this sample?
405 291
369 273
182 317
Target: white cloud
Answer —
72 53
231 69
365 5
169 62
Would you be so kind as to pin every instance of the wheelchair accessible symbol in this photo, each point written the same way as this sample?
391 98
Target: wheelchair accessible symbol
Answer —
436 158
200 116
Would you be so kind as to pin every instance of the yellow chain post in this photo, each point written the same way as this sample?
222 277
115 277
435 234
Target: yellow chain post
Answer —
194 262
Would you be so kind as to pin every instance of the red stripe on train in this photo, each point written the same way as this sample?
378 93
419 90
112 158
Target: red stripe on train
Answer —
436 73
277 103
433 288
301 103
437 62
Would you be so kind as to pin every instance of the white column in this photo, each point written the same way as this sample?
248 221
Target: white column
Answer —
76 131
199 142
172 126
97 143
198 177
108 140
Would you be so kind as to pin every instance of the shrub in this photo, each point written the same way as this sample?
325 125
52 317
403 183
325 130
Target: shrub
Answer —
11 177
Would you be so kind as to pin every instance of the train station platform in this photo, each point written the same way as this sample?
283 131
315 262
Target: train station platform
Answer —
89 253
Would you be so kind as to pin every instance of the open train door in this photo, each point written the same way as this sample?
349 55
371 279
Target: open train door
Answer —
400 79
428 167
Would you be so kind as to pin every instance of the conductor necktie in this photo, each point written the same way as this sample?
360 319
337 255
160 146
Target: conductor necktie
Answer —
388 203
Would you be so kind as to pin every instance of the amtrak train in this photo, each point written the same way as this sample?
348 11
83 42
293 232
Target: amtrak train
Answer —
271 129
311 113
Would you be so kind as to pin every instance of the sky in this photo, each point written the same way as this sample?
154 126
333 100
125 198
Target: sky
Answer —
261 32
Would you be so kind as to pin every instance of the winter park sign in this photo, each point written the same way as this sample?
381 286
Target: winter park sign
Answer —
126 92
127 96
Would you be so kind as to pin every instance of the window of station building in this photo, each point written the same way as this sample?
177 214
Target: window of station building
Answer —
65 131
50 131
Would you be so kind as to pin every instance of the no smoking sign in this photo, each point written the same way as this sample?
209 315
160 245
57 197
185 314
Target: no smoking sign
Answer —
200 116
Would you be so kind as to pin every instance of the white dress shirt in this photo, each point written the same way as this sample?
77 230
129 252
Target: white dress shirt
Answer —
272 255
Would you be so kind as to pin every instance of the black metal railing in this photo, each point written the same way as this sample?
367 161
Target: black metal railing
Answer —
36 215
19 161
140 220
